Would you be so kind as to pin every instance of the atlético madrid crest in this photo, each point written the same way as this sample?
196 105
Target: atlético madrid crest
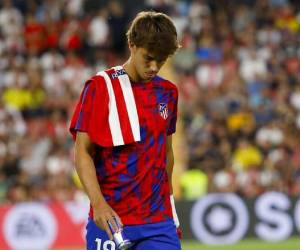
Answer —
163 110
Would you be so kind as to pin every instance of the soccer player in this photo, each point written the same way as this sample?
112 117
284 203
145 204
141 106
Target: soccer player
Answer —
122 127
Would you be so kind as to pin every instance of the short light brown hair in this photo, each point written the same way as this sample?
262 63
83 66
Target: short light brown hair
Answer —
155 32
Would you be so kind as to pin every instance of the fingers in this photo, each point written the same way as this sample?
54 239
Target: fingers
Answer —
106 228
179 232
113 224
109 222
101 222
117 218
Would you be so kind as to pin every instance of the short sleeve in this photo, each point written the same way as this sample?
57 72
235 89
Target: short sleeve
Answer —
82 115
91 113
173 111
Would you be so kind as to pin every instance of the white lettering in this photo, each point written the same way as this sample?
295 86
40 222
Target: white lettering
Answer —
275 224
98 241
107 245
218 210
297 215
30 226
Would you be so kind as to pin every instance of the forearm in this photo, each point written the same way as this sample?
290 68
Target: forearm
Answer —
170 161
169 168
87 174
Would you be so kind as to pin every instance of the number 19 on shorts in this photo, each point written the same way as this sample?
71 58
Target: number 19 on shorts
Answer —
107 244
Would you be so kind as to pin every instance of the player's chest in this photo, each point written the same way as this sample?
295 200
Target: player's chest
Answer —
154 108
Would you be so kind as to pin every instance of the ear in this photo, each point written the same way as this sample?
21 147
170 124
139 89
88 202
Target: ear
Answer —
132 47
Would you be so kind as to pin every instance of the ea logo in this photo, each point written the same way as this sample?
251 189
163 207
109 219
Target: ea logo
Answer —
30 226
219 219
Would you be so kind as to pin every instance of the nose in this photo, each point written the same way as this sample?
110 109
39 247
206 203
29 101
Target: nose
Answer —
153 66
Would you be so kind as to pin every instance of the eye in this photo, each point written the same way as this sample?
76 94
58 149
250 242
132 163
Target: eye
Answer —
148 59
161 61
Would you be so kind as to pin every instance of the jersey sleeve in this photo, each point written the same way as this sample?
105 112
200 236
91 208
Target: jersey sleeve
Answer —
91 113
82 115
173 112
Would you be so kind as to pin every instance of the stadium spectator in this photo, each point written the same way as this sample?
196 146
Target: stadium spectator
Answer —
237 71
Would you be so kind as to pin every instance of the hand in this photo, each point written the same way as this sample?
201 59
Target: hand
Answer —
179 232
102 215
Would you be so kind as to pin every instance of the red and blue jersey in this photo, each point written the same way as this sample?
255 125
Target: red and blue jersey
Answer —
131 167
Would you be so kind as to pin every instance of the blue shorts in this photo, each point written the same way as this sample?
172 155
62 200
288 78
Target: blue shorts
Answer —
156 236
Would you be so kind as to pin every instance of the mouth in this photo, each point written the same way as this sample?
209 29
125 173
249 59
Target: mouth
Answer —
150 74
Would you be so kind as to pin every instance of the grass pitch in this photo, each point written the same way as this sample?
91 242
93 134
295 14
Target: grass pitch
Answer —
249 244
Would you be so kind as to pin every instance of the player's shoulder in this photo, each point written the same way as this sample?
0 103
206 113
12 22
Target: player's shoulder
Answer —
100 76
98 79
109 74
166 84
112 72
104 78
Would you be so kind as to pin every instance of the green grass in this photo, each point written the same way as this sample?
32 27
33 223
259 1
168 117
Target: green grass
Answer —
251 244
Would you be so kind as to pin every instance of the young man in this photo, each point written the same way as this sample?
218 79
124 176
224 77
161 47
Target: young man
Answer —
123 126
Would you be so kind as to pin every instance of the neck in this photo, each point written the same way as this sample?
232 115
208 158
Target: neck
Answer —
130 70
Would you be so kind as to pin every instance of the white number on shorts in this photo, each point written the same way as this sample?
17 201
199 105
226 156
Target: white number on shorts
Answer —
106 244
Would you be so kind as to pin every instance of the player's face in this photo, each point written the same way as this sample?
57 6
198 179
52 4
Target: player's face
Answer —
146 65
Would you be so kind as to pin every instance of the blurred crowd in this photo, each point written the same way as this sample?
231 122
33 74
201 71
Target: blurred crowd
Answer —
238 74
47 51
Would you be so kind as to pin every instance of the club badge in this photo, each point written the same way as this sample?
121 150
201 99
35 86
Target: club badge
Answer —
163 110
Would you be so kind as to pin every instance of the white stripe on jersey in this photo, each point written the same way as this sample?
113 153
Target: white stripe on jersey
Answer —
113 117
130 104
